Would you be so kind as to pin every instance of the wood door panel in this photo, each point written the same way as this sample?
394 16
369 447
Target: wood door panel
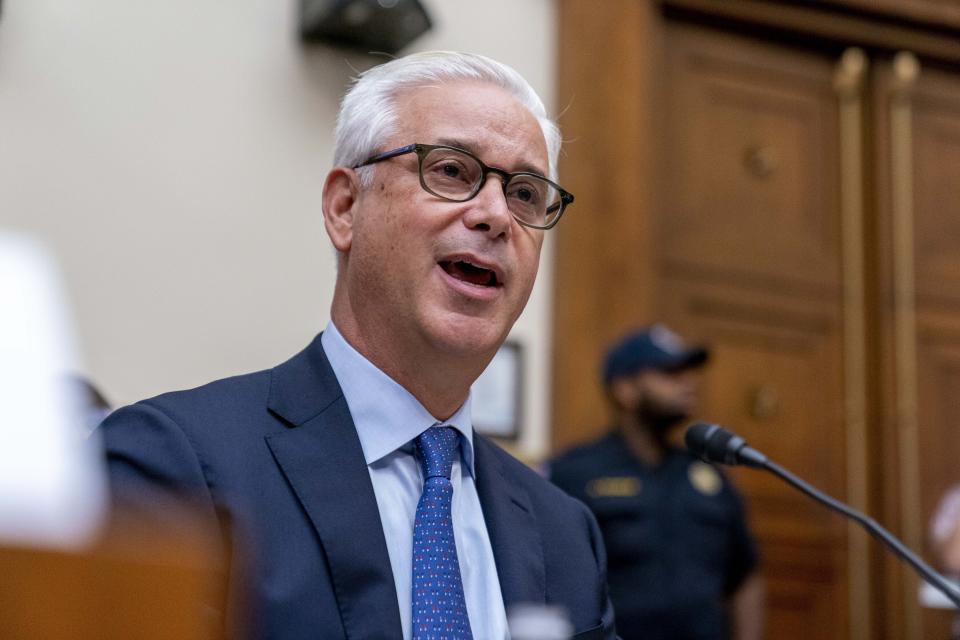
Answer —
801 590
749 261
921 363
938 352
936 182
763 388
775 377
938 406
918 319
775 374
750 160
781 390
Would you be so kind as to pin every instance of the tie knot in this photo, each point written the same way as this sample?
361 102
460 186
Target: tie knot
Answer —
437 446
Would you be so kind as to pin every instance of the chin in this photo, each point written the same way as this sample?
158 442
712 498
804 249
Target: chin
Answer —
467 336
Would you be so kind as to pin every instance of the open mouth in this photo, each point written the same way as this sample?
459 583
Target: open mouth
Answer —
467 272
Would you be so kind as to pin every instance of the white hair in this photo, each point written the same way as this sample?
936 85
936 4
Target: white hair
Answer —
368 111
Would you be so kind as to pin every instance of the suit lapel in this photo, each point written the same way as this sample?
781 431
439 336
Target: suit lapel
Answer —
512 526
321 457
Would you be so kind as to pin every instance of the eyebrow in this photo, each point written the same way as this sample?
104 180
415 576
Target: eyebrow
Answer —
467 146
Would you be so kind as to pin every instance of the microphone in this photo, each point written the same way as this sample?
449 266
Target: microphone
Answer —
713 443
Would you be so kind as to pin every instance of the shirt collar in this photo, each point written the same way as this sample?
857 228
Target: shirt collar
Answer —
387 416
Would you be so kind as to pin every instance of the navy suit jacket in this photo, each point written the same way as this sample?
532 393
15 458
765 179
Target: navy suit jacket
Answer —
276 453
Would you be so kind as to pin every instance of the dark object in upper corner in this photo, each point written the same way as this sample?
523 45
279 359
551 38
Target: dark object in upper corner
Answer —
364 25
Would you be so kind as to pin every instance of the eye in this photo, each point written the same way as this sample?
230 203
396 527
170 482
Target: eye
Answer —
450 170
525 191
524 194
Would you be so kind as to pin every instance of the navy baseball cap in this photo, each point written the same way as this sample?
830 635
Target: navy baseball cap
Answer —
655 347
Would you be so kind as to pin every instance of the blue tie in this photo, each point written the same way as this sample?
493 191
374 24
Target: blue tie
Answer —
439 608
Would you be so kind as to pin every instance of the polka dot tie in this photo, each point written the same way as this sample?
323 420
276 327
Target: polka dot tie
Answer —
439 607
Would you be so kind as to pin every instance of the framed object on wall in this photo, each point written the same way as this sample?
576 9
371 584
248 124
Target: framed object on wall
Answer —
498 394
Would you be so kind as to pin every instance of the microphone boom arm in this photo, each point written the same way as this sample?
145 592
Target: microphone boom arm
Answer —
873 527
713 443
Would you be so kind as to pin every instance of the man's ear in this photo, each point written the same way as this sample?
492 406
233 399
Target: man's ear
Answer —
341 193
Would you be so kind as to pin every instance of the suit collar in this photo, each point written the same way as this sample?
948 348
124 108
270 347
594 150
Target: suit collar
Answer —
322 459
511 525
303 386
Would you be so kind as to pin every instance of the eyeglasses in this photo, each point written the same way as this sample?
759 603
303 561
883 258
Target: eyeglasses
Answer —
458 175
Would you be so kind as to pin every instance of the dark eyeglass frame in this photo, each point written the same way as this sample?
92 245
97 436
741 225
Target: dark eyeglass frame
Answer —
566 198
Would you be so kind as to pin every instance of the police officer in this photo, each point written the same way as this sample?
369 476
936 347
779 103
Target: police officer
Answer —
682 563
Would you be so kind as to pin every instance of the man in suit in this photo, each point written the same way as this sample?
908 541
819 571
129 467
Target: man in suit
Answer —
368 506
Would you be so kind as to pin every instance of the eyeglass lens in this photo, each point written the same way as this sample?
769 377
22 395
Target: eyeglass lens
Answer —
456 175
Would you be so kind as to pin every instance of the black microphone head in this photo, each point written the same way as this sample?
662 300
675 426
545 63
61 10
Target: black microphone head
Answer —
698 438
713 443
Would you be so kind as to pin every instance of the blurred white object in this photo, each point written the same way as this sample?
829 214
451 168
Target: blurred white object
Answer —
931 597
539 622
52 481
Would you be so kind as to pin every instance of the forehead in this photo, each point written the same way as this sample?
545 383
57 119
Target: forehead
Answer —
480 116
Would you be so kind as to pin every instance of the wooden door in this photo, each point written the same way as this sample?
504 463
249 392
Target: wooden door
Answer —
918 193
749 257
798 208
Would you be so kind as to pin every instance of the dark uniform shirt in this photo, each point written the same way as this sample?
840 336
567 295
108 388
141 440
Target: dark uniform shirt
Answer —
676 537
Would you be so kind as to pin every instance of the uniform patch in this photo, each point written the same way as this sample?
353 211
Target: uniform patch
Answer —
704 478
614 487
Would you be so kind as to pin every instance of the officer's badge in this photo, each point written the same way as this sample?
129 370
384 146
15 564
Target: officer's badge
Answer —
614 487
704 478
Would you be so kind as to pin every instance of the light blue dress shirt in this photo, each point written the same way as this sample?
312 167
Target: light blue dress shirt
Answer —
388 419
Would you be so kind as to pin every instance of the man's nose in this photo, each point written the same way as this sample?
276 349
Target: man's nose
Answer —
489 211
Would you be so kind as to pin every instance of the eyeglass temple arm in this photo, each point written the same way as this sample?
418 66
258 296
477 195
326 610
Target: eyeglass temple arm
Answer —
386 156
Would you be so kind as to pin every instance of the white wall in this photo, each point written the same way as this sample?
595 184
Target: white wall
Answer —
172 154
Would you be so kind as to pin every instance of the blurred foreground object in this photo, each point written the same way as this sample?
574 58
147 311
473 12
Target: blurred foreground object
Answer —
52 484
539 622
144 584
66 573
